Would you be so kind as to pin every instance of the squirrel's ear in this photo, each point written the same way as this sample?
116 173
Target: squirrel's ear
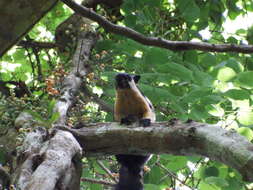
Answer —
136 78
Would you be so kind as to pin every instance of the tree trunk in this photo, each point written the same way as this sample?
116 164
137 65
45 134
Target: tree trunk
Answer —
18 17
51 159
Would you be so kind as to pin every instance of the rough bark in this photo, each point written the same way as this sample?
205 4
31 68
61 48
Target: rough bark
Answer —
72 83
18 17
192 138
48 163
52 160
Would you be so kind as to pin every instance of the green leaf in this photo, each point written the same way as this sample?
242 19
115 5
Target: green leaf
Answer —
50 108
176 163
208 60
235 65
189 10
216 10
19 55
205 186
176 70
94 186
233 10
196 94
241 31
234 184
210 171
191 56
156 56
215 110
220 182
198 112
245 117
128 47
155 175
157 77
246 79
226 74
247 132
54 117
130 20
237 94
36 116
151 187
211 99
250 35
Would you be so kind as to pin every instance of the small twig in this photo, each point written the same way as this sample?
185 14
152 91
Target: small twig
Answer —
173 175
31 61
189 175
103 105
107 171
97 181
36 53
155 41
49 60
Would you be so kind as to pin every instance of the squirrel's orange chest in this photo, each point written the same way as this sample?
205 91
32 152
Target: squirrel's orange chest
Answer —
128 103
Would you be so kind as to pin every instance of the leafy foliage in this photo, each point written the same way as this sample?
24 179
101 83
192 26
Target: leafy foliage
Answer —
203 86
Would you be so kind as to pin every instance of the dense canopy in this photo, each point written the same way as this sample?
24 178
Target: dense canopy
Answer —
196 64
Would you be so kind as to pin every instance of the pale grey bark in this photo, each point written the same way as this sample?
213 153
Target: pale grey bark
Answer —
51 160
192 138
52 163
72 82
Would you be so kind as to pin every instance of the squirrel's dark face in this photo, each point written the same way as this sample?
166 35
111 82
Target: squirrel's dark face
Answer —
124 80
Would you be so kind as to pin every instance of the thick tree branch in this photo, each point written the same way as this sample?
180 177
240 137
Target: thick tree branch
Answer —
192 138
56 159
19 18
154 41
73 81
49 161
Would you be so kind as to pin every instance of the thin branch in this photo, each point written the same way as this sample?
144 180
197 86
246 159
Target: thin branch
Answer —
50 63
172 174
31 61
107 171
36 53
192 171
102 182
155 41
39 45
102 104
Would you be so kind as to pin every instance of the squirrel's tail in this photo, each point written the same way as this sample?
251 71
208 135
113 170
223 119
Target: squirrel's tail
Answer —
131 171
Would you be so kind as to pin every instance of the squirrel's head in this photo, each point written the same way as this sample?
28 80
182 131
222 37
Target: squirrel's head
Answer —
124 80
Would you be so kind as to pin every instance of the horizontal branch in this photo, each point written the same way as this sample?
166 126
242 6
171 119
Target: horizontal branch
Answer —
34 44
192 138
155 41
